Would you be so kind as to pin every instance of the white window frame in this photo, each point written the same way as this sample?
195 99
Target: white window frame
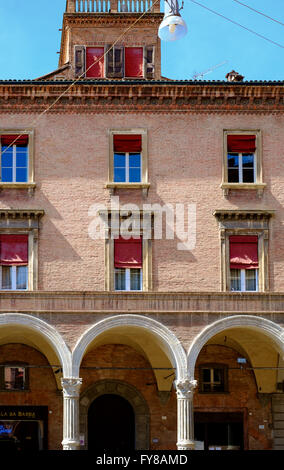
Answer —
258 184
29 184
243 281
144 185
240 166
128 282
14 279
127 166
14 164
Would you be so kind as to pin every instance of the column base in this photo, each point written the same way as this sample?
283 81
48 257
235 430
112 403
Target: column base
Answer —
185 445
70 445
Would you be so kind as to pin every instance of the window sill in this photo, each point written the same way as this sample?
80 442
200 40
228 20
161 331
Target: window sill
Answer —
144 187
259 187
28 186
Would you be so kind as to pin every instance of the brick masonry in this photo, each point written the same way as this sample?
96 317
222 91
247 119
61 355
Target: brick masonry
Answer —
185 125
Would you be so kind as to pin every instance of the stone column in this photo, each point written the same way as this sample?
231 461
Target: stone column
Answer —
71 394
185 422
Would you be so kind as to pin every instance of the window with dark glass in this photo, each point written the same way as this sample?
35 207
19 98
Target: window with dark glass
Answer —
14 377
128 264
14 159
241 158
213 378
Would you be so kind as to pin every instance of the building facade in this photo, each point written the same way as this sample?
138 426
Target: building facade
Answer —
141 230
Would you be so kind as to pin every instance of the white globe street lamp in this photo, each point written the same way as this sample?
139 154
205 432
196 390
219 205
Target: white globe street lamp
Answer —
173 27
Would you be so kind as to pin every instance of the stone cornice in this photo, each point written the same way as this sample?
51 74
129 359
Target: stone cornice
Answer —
111 19
101 96
225 214
91 303
21 213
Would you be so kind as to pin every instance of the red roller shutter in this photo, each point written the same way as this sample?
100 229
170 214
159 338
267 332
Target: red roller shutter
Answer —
127 143
241 143
243 252
14 250
16 139
128 253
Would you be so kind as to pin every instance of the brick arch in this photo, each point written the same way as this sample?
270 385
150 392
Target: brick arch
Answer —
132 395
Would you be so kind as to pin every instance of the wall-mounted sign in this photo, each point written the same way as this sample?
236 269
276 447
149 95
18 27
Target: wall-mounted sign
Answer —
23 413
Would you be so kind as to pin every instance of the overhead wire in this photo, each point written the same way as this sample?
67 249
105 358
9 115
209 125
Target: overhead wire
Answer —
259 12
237 24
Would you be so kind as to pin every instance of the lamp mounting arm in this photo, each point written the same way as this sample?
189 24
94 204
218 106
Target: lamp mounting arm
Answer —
174 6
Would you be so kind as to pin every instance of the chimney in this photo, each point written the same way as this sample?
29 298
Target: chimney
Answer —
234 77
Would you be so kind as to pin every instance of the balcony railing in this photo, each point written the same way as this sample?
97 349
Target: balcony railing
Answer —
114 6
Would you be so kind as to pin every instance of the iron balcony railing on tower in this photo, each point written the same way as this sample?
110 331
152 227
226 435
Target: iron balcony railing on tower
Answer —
112 6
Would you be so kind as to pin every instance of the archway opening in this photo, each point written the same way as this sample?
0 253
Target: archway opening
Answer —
237 370
111 424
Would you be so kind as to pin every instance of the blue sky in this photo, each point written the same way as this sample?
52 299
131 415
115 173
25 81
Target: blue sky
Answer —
30 39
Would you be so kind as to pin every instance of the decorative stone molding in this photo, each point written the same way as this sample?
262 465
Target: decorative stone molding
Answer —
132 395
24 221
185 388
152 303
71 387
54 342
272 330
244 222
103 96
169 342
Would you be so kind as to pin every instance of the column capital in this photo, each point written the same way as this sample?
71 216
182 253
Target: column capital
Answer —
185 387
71 387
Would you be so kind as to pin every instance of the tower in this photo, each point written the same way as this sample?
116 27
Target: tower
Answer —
110 39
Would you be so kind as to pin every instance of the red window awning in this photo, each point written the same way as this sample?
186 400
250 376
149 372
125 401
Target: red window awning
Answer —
243 252
127 142
241 143
128 253
9 139
14 250
133 61
95 62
